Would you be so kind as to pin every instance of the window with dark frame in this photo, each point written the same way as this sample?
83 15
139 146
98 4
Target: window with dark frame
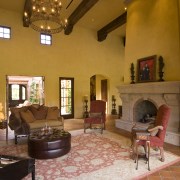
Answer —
66 97
46 39
5 32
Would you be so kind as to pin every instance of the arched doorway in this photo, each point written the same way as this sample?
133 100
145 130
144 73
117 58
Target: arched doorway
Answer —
99 88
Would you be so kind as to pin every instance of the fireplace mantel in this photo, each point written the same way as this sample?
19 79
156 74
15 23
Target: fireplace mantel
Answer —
156 92
151 88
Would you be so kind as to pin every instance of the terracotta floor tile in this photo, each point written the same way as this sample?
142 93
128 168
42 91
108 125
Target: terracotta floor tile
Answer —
176 175
151 177
145 178
166 174
175 168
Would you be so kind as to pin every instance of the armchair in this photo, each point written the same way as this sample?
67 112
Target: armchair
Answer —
97 115
157 134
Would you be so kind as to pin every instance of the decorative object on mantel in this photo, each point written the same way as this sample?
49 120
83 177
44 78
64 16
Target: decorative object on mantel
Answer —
161 66
132 73
146 69
44 16
86 114
113 112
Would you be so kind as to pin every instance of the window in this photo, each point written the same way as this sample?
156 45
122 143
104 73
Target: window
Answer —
67 97
5 32
46 39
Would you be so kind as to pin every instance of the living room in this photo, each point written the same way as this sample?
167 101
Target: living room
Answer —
152 28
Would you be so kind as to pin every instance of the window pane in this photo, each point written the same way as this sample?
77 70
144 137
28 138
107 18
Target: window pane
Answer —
43 41
15 92
7 31
6 35
48 42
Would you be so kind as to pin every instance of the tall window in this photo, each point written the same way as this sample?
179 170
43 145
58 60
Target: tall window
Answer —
5 32
67 97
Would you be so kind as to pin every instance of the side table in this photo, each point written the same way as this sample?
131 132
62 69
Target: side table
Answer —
12 167
3 125
142 136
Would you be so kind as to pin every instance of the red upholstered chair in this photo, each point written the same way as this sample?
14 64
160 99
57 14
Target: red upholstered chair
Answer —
162 119
97 115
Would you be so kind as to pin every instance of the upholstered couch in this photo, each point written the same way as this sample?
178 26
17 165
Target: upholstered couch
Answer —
29 118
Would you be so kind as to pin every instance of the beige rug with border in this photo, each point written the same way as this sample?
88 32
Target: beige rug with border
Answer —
94 156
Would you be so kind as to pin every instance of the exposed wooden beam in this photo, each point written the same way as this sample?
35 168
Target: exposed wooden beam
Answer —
119 21
28 10
78 13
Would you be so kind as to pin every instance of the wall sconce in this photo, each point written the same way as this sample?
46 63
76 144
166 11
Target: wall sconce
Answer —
86 114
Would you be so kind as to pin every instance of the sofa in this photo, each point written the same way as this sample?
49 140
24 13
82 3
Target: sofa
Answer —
24 120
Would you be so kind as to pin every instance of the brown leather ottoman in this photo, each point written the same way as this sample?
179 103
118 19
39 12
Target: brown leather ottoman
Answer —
50 145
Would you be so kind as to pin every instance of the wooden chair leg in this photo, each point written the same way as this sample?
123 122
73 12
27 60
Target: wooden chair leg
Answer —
148 146
162 154
137 155
16 139
84 128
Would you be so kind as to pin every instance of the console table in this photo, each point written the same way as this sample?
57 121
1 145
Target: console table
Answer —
12 167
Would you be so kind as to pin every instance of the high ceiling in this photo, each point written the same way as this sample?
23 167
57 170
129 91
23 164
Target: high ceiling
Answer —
102 13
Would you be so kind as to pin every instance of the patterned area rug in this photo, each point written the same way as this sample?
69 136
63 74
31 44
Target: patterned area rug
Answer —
93 156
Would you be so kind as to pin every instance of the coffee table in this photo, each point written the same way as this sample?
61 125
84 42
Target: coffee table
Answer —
49 145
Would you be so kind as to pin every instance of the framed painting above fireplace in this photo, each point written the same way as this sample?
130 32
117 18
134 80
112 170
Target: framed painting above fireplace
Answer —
146 69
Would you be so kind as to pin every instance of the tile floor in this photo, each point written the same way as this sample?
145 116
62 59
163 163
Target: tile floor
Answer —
169 173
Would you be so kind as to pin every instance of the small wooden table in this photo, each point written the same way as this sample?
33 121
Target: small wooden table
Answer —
142 136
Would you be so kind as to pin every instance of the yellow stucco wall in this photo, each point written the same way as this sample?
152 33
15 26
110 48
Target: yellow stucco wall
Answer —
153 29
78 55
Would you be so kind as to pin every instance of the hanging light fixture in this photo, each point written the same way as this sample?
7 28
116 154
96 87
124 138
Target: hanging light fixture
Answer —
44 16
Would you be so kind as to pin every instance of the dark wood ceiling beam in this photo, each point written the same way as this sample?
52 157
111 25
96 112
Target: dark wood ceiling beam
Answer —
28 10
78 13
119 21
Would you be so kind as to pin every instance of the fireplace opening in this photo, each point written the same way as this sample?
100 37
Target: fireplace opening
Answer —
145 112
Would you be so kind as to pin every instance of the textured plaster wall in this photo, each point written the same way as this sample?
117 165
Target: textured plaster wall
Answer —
78 55
153 28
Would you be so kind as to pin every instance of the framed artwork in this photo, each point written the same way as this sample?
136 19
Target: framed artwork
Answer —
146 69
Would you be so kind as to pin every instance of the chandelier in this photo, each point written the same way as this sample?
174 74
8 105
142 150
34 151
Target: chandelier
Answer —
44 16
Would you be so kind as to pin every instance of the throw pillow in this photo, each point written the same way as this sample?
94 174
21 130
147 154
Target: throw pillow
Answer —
16 111
39 113
27 116
53 113
154 131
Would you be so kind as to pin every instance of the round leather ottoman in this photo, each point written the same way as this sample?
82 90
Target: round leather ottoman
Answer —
52 145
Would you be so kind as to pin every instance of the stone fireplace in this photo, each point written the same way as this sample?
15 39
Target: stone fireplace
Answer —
141 101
